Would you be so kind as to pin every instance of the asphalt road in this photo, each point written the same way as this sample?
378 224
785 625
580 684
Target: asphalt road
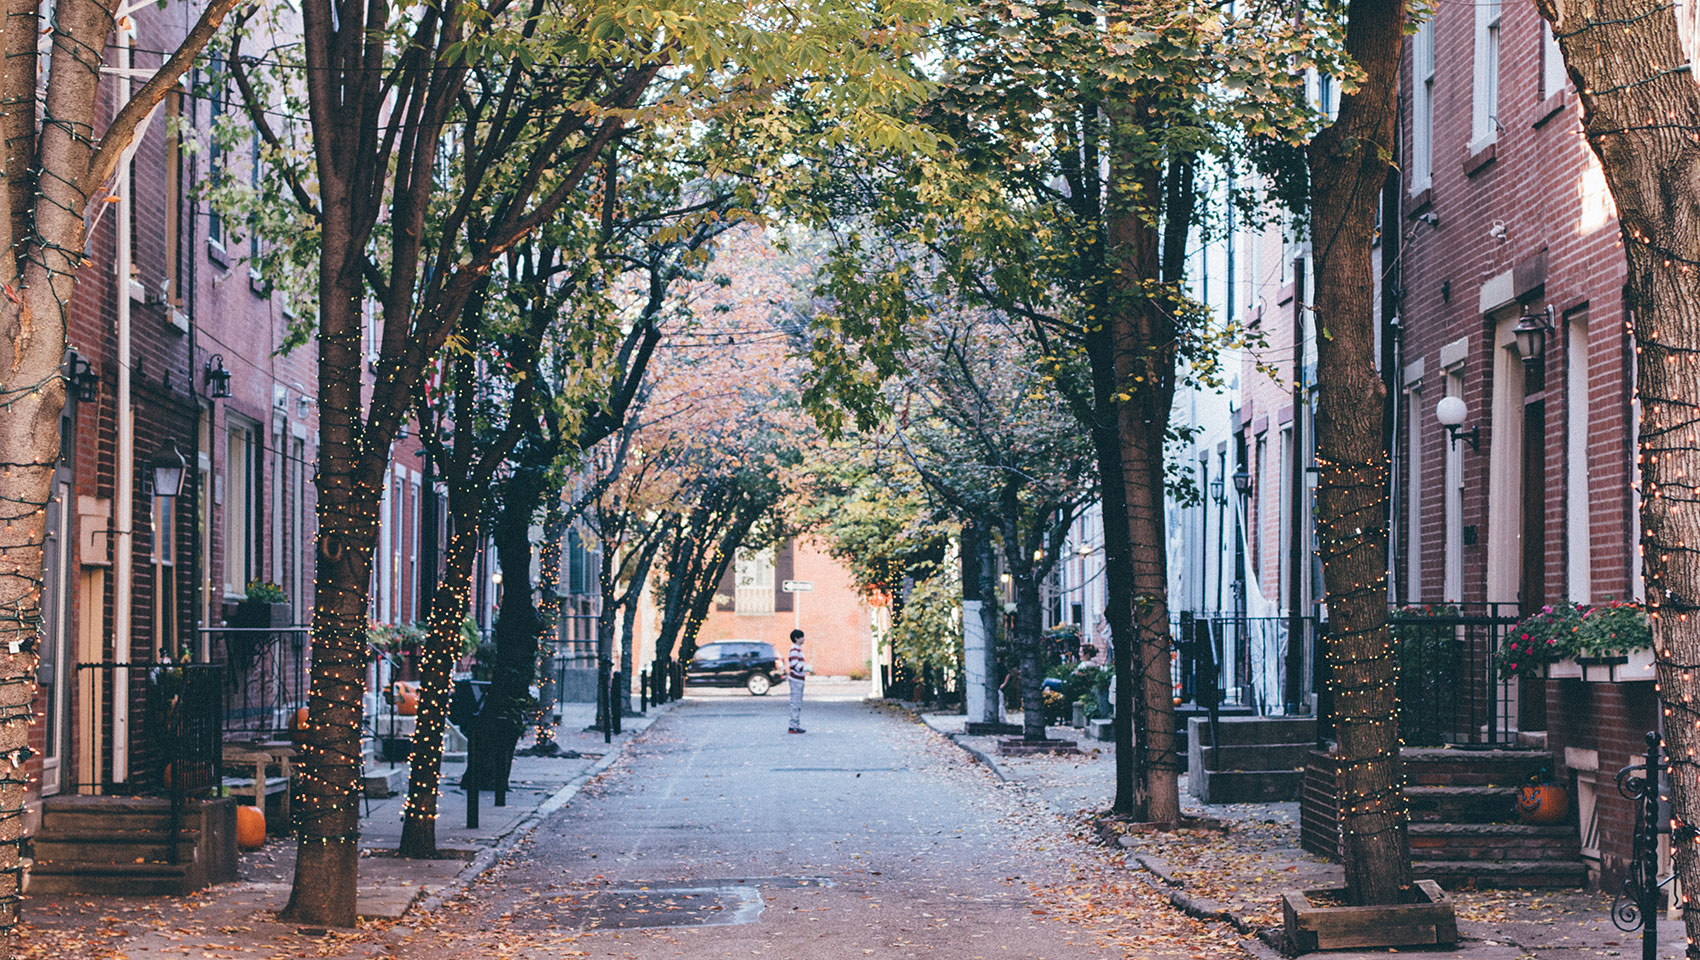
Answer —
869 836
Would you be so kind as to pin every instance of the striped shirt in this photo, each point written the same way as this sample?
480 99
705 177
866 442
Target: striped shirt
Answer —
795 667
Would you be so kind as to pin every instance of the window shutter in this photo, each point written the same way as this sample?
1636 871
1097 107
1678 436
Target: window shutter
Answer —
784 568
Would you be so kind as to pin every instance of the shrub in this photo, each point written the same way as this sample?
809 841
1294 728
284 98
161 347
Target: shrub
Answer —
265 591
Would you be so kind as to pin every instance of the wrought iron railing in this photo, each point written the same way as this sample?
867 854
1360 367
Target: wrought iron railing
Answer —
148 728
267 679
1450 692
1244 660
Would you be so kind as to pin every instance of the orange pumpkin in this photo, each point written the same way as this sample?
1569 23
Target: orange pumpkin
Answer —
409 705
1542 803
250 827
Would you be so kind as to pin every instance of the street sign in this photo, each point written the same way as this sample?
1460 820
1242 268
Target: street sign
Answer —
797 586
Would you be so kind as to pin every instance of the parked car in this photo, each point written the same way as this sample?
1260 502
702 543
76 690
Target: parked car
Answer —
736 663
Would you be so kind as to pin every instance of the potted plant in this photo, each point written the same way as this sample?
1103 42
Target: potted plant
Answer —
265 605
1542 644
1614 643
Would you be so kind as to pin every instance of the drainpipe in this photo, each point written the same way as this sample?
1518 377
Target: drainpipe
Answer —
124 491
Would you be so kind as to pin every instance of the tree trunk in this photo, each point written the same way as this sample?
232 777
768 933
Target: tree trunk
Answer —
1156 794
1620 54
607 623
449 605
519 625
628 622
1028 641
1348 164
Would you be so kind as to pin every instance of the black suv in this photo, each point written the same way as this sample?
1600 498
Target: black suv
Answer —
736 663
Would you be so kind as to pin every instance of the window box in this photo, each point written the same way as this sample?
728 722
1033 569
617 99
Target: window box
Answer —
1622 668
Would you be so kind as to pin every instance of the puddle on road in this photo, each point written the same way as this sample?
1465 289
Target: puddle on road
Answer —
712 903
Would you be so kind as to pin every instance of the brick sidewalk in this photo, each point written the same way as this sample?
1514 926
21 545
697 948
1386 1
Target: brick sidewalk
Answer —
1240 875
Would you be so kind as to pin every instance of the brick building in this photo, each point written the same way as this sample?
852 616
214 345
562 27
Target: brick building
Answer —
751 605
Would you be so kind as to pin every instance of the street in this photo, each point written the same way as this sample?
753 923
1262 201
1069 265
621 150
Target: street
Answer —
869 836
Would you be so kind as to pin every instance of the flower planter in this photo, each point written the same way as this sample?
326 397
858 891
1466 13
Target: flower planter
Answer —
1565 669
1622 668
1315 920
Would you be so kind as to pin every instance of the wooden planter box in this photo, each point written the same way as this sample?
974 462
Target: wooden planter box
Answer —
1623 668
1312 923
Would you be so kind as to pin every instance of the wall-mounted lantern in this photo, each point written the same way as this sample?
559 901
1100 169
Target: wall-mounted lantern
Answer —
218 378
1451 412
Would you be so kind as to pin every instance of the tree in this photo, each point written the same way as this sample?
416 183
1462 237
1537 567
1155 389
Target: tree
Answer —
438 136
996 443
1348 165
1084 139
1641 115
53 169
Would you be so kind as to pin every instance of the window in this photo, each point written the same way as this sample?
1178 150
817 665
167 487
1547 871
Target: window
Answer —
1552 64
175 184
1484 112
754 581
215 154
1422 108
165 575
239 507
1414 494
1578 560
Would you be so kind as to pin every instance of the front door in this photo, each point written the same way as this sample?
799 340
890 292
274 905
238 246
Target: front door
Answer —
53 673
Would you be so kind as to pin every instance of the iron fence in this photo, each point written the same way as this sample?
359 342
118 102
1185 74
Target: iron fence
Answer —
148 728
267 678
1450 691
1240 660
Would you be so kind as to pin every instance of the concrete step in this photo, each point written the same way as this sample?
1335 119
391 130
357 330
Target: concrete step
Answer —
381 781
1245 786
1520 874
1494 842
69 848
87 823
1259 756
1253 731
1459 804
1440 767
147 879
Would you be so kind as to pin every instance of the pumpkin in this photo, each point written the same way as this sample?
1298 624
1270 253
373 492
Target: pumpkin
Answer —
1542 803
409 705
300 719
250 827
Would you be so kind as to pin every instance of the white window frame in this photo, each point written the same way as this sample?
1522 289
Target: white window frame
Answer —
241 526
1484 100
753 581
1578 559
1553 75
1422 108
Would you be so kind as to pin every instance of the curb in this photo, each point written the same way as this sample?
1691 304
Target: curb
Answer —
1203 908
560 798
973 751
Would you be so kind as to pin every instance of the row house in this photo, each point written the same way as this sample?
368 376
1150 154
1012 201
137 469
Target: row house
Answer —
186 474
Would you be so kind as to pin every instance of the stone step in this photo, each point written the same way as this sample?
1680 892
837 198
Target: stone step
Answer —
69 848
1494 842
1260 756
382 781
1245 786
1521 874
1439 767
1459 804
1251 731
147 879
87 823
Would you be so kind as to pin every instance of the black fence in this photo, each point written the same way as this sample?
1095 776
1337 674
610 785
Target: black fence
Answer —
1449 688
148 729
1242 661
267 678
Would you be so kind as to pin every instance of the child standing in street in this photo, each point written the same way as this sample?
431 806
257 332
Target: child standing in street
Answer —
796 669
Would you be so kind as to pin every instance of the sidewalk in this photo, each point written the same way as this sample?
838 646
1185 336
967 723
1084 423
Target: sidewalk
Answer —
233 919
1236 878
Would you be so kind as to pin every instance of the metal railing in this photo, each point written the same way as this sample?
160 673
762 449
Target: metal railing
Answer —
170 743
267 678
1449 688
1242 659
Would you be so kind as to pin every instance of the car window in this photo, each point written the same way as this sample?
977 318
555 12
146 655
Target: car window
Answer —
765 650
713 651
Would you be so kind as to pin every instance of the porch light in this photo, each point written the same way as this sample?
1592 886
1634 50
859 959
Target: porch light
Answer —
1242 481
1451 411
1531 333
167 467
218 378
1218 491
85 383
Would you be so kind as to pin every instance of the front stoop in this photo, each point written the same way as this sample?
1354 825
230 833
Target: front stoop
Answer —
122 845
1260 759
1017 747
1463 826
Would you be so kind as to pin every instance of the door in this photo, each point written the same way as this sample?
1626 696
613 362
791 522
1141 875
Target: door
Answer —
54 669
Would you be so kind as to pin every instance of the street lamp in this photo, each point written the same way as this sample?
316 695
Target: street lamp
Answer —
167 468
85 383
1451 411
1218 492
1242 481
